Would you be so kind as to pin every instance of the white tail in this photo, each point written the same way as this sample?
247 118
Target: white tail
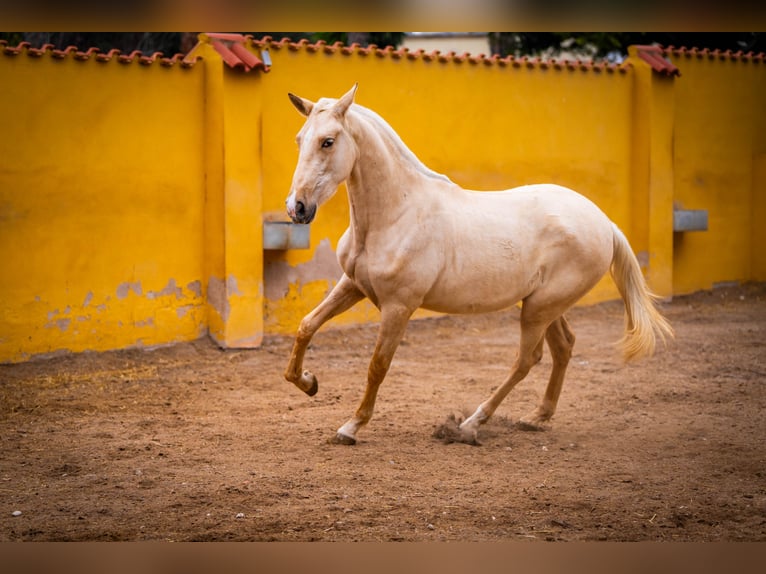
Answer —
643 323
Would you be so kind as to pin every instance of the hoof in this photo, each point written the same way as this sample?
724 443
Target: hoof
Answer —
342 439
307 382
532 424
314 387
450 431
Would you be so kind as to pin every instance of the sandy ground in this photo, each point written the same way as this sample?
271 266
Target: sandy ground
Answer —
191 443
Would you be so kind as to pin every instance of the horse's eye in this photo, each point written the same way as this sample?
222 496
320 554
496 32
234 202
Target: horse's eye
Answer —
328 142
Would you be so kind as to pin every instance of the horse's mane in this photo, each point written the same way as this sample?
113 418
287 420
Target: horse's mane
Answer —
383 126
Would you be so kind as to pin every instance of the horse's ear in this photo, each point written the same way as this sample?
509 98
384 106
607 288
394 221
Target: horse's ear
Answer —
303 105
342 105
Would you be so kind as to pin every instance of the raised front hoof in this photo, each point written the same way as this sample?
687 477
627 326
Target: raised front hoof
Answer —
340 438
450 431
307 382
313 385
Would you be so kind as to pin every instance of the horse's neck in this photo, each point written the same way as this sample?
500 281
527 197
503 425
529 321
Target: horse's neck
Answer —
382 183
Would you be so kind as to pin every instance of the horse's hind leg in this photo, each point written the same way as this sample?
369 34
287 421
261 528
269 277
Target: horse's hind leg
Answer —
560 341
530 352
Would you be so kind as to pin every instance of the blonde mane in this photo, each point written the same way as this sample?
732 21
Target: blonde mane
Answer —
382 126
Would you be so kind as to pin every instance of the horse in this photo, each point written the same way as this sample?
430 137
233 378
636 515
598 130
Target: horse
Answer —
417 240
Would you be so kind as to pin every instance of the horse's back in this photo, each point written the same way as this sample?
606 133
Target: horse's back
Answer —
539 198
562 226
504 245
532 211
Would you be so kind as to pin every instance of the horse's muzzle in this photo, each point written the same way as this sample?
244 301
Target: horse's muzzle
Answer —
303 213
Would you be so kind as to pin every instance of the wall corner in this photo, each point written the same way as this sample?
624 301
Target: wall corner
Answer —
652 180
233 223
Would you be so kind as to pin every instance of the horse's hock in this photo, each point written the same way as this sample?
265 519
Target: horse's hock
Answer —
167 224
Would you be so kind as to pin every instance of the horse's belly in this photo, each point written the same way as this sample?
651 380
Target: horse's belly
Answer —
468 306
478 294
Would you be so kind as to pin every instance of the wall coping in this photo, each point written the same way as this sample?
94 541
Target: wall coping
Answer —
373 50
755 57
95 54
237 51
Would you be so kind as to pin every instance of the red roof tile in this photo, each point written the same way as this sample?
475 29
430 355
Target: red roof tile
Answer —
435 55
233 49
94 53
652 55
712 54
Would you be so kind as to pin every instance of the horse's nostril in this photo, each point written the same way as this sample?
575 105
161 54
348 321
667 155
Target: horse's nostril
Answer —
300 208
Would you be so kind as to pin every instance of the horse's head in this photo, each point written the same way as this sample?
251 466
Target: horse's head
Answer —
327 154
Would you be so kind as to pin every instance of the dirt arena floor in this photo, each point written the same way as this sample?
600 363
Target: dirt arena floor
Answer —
191 443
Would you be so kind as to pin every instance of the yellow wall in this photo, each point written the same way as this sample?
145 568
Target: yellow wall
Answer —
132 196
650 202
233 237
101 205
485 126
719 150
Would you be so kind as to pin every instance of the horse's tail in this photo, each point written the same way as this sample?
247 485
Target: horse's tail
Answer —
643 322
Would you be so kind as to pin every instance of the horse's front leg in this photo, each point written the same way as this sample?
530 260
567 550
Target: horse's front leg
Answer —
393 323
343 296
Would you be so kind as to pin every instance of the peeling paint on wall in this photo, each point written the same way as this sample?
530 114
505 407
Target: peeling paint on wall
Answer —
170 314
170 289
237 304
195 287
124 289
183 310
279 275
231 286
216 296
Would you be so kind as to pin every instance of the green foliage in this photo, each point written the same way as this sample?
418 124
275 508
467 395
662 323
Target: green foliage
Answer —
169 43
599 44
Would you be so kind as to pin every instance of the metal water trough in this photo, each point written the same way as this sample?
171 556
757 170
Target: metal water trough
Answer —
281 235
689 220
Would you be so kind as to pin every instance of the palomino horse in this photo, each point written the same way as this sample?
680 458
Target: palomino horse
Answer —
416 239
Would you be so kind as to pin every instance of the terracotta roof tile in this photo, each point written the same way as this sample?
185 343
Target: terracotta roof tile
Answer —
653 56
45 48
233 49
267 42
414 55
93 53
712 54
355 47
